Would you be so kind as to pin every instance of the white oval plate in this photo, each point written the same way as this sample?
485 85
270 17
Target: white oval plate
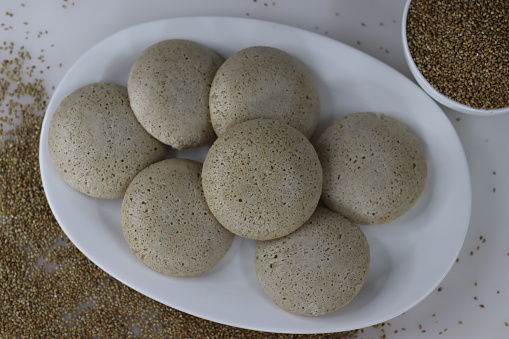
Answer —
409 257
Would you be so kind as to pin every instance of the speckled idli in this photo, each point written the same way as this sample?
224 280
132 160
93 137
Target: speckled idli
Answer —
262 179
169 86
374 167
317 269
96 143
166 221
264 82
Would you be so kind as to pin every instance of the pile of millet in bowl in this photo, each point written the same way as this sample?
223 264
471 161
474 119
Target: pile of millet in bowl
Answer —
262 178
461 48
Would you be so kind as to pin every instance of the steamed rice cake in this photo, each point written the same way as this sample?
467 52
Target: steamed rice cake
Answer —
264 82
317 269
96 143
262 179
166 222
169 87
374 167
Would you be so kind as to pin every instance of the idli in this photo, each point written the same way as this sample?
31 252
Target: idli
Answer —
166 221
374 167
264 82
317 269
96 143
169 86
262 179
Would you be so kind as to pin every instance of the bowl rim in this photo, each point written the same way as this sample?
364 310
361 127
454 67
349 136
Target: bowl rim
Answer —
429 89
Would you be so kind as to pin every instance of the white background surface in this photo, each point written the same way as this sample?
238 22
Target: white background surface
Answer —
481 277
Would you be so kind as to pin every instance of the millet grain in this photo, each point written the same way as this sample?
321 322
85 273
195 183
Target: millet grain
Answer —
461 47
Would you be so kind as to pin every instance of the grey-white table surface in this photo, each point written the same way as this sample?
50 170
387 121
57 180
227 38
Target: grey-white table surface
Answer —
64 30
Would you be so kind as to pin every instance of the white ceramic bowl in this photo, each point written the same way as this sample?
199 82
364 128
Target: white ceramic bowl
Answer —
430 90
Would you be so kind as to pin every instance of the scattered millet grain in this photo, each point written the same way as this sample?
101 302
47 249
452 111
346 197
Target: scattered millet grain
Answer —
462 48
49 288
